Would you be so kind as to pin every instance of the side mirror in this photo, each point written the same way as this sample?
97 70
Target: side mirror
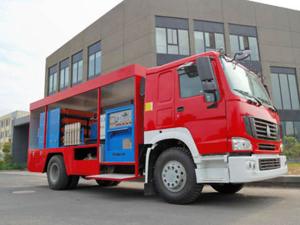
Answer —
240 56
207 76
210 90
205 69
209 86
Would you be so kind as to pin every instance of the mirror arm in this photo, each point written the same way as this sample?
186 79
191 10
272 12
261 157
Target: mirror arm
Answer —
267 89
213 105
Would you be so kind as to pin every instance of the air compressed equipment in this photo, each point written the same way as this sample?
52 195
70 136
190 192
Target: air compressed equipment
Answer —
119 134
67 127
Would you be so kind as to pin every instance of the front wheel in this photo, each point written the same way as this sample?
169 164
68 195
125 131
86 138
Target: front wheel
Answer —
175 177
227 188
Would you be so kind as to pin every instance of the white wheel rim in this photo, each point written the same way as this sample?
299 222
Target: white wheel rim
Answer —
174 176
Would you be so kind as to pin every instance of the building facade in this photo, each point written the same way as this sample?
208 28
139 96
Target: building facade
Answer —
6 126
154 32
20 137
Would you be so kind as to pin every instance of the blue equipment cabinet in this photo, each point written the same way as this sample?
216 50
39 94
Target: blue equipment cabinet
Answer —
94 131
41 131
53 128
119 134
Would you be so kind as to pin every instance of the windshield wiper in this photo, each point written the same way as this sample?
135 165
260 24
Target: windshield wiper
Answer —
245 93
270 106
273 108
264 101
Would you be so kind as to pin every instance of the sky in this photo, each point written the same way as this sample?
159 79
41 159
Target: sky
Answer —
30 30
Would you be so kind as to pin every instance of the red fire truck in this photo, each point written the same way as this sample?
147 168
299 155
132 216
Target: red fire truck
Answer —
204 119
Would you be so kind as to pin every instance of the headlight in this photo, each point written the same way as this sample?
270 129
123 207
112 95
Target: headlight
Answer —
239 143
281 147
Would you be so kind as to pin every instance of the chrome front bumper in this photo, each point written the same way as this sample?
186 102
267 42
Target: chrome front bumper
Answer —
256 167
240 169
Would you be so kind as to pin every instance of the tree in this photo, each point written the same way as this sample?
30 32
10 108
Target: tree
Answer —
7 153
291 148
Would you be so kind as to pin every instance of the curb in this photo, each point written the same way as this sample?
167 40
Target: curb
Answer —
282 181
21 173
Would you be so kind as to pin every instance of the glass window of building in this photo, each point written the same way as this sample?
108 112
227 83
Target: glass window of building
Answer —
243 38
172 36
64 74
291 128
52 80
77 68
172 41
94 60
284 88
161 43
209 36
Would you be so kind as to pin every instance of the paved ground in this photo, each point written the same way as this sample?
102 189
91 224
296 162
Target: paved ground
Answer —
25 199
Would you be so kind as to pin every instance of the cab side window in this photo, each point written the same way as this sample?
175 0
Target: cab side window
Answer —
190 83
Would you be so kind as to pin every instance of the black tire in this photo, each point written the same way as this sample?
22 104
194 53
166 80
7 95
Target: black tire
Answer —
56 173
227 188
188 190
73 182
107 183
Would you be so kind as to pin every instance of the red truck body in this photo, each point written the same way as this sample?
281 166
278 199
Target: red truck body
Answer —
164 119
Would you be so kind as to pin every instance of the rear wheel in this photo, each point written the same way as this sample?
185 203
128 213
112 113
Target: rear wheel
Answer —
56 173
107 183
227 188
175 178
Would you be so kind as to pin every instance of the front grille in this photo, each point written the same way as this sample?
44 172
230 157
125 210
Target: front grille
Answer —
264 130
268 147
269 164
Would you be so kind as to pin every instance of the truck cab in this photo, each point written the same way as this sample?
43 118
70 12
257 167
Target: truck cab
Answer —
222 113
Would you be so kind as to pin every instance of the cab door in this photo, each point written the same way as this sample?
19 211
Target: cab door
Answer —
195 110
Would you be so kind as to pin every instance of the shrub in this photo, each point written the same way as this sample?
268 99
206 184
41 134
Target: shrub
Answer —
7 162
7 153
291 147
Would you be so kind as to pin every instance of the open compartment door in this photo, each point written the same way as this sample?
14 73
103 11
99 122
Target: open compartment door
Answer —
121 107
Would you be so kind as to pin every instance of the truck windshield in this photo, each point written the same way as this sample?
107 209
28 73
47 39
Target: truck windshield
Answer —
244 82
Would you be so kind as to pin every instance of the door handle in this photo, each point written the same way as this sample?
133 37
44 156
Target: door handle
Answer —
180 109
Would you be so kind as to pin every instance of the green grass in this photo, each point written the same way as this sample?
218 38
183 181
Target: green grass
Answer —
294 168
11 166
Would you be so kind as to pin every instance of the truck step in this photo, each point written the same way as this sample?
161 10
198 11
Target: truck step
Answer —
113 177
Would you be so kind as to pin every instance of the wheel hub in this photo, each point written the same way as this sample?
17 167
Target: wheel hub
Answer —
54 173
174 176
